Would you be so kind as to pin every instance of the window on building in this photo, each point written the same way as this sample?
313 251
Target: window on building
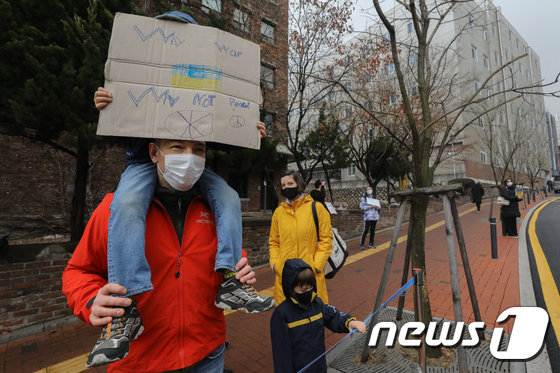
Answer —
492 126
519 113
497 58
349 86
241 20
507 57
267 31
410 27
474 52
292 112
517 42
393 98
500 86
489 94
510 35
481 122
331 95
348 112
414 90
505 146
484 34
494 29
486 62
476 85
502 116
369 105
267 76
526 74
352 170
413 57
471 20
391 68
483 158
387 37
215 5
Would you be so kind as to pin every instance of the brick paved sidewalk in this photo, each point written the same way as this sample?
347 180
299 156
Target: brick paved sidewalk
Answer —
353 290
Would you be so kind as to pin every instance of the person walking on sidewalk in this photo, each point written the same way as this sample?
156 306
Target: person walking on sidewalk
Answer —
297 326
477 192
510 213
371 216
293 234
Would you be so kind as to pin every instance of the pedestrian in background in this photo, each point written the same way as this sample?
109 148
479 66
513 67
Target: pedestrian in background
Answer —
293 234
371 216
510 213
318 194
477 192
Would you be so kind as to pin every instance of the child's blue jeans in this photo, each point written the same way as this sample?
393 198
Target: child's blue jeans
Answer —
126 261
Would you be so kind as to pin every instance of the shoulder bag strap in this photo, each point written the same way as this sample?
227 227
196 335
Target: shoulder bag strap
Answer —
315 217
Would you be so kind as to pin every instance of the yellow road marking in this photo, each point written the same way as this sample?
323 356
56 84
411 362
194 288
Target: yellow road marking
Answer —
548 285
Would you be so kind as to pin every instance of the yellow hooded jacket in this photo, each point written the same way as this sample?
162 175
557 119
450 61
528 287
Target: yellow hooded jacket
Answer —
293 235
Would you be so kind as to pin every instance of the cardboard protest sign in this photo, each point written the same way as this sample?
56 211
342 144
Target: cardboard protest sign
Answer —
181 81
373 202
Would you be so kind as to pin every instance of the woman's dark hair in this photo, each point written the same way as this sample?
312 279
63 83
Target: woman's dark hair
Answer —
305 277
297 178
318 183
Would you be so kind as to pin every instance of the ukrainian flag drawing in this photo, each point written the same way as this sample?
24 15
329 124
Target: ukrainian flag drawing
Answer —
201 77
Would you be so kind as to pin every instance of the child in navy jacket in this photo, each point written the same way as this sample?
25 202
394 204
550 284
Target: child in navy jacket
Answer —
297 326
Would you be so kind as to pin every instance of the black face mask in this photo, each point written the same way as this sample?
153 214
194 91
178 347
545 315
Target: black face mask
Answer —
289 193
305 297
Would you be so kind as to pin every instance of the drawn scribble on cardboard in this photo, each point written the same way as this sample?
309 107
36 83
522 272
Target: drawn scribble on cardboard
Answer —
167 98
190 124
171 38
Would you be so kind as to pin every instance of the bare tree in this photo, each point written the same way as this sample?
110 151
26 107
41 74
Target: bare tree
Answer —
433 101
317 28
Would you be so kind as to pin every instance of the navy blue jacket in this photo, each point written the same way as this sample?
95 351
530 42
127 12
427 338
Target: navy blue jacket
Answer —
298 331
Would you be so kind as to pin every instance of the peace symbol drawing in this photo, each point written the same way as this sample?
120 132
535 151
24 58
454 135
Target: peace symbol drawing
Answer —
237 121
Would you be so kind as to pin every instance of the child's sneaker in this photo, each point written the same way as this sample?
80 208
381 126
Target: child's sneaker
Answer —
114 343
233 295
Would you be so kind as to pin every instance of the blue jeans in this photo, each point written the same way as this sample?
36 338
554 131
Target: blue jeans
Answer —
213 363
126 260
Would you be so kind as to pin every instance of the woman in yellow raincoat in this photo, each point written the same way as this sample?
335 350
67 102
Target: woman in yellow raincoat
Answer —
293 234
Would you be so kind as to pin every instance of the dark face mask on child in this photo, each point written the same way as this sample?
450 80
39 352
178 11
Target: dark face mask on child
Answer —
305 297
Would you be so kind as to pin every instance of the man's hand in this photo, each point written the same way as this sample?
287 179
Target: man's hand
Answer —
105 306
245 272
102 98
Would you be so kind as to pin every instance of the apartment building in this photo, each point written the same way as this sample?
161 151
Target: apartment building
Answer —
507 116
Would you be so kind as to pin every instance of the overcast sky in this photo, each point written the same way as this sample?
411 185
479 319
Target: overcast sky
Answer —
535 20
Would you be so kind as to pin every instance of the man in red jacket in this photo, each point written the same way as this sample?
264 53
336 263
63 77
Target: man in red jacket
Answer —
183 329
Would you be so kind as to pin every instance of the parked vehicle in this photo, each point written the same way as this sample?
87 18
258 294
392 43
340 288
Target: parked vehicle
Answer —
556 184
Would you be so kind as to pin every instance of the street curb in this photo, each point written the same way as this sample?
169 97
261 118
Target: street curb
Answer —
541 362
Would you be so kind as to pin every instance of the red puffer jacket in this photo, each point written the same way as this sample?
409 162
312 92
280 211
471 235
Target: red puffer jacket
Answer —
181 323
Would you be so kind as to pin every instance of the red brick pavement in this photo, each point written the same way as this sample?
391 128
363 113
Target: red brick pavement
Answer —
353 290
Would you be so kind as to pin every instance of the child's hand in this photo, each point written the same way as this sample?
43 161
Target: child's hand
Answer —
262 130
102 98
360 325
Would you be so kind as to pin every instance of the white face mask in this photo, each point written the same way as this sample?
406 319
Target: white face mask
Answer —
182 171
509 183
369 191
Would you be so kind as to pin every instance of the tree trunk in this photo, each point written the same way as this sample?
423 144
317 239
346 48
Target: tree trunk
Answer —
77 214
